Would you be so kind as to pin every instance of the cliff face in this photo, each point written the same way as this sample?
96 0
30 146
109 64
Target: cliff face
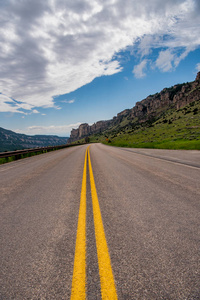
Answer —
175 97
85 130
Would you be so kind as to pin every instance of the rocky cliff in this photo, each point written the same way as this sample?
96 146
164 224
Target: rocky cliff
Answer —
151 107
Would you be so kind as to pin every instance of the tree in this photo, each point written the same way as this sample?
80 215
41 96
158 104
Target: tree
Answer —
87 139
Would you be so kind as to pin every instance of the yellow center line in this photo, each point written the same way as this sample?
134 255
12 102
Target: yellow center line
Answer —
79 272
78 291
108 290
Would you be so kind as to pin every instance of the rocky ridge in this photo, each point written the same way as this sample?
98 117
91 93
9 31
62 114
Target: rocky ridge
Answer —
151 107
10 140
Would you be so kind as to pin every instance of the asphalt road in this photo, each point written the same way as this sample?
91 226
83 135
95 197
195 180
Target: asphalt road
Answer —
150 211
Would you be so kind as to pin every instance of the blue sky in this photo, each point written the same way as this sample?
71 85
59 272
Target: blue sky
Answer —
65 62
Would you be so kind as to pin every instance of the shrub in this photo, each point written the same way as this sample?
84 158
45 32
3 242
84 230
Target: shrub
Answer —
195 111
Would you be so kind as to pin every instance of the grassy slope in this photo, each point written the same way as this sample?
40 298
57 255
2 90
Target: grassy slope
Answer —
173 130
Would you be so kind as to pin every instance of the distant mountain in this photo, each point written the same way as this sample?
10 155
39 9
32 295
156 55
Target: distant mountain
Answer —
144 112
10 140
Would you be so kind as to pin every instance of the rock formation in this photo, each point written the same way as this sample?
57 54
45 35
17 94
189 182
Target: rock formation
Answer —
175 97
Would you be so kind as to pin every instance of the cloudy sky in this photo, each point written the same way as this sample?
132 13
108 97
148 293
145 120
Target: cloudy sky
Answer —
65 62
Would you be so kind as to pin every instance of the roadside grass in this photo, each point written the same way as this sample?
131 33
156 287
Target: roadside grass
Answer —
7 159
176 129
181 144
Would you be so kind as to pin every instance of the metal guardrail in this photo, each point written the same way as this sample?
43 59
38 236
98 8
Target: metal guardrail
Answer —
31 150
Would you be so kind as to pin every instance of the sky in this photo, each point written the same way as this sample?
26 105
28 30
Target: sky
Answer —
67 62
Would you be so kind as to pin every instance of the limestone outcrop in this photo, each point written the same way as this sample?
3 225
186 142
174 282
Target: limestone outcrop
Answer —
154 105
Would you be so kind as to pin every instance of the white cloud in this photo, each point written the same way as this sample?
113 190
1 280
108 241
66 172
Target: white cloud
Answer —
53 47
139 69
164 60
63 130
68 101
146 43
71 101
8 105
178 59
198 67
35 111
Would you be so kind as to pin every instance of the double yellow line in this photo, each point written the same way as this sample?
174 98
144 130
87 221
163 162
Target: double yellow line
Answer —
78 291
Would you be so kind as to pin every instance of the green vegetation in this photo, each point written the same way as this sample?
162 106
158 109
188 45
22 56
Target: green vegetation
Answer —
20 156
174 129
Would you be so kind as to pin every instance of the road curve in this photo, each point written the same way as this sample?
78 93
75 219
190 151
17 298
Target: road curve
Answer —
149 215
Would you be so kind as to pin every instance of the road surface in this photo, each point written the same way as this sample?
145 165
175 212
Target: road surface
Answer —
131 214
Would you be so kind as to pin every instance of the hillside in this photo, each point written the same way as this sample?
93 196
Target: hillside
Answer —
168 117
175 129
10 140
